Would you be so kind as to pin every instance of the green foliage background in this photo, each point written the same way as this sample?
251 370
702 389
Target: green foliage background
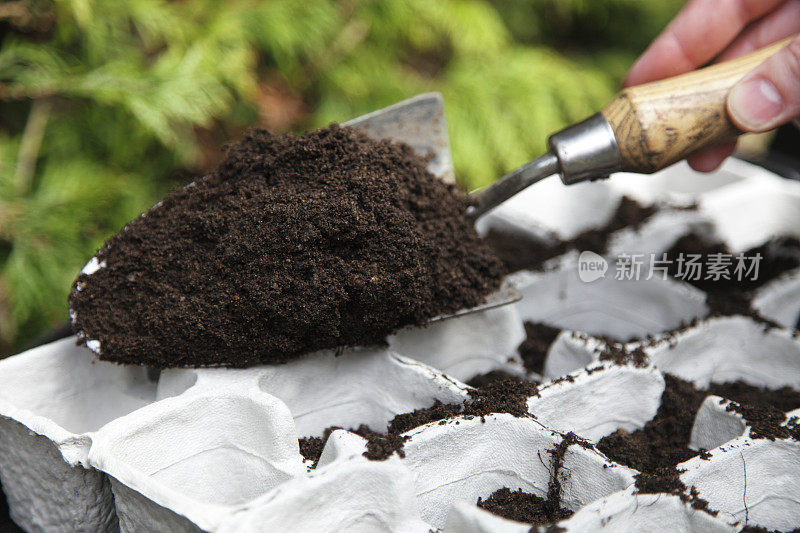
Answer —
106 104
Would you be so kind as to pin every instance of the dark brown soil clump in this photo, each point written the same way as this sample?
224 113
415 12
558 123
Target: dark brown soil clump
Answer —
523 507
616 352
438 411
483 380
293 244
507 395
520 252
381 446
667 480
533 349
732 296
629 214
662 480
766 422
662 444
784 399
664 441
759 529
311 447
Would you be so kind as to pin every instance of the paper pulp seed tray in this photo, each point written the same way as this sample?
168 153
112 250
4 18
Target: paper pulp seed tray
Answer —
92 446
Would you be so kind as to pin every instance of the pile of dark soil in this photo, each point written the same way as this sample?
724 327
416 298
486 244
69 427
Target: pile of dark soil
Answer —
507 395
759 529
618 353
293 244
732 296
311 447
483 380
663 442
533 349
524 507
766 422
380 446
520 252
667 480
784 399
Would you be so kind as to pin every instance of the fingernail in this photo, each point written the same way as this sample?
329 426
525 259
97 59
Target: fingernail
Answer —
755 104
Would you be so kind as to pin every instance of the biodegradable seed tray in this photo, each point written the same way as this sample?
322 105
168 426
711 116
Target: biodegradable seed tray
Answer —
88 445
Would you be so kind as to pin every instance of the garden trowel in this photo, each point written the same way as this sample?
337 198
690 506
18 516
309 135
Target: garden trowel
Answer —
643 129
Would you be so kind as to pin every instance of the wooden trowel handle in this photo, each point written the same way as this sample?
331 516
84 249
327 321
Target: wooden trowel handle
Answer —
662 122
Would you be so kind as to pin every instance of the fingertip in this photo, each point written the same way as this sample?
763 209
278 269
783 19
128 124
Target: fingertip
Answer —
634 75
711 159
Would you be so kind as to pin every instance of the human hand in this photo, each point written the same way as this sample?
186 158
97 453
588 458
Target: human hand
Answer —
724 29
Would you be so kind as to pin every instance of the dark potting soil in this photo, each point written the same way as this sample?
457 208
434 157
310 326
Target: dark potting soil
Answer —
507 395
483 380
667 480
520 252
293 244
618 353
663 442
766 422
759 529
784 399
380 446
311 447
533 350
733 296
523 507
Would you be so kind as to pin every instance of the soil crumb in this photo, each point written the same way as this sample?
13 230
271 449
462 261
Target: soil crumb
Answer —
766 422
732 296
523 252
533 349
311 447
483 380
616 352
504 395
784 399
523 507
663 442
667 480
381 446
293 244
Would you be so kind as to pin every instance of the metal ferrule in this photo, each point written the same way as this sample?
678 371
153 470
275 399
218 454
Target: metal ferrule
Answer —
587 150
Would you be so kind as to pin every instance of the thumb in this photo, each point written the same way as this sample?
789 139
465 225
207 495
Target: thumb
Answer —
769 95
